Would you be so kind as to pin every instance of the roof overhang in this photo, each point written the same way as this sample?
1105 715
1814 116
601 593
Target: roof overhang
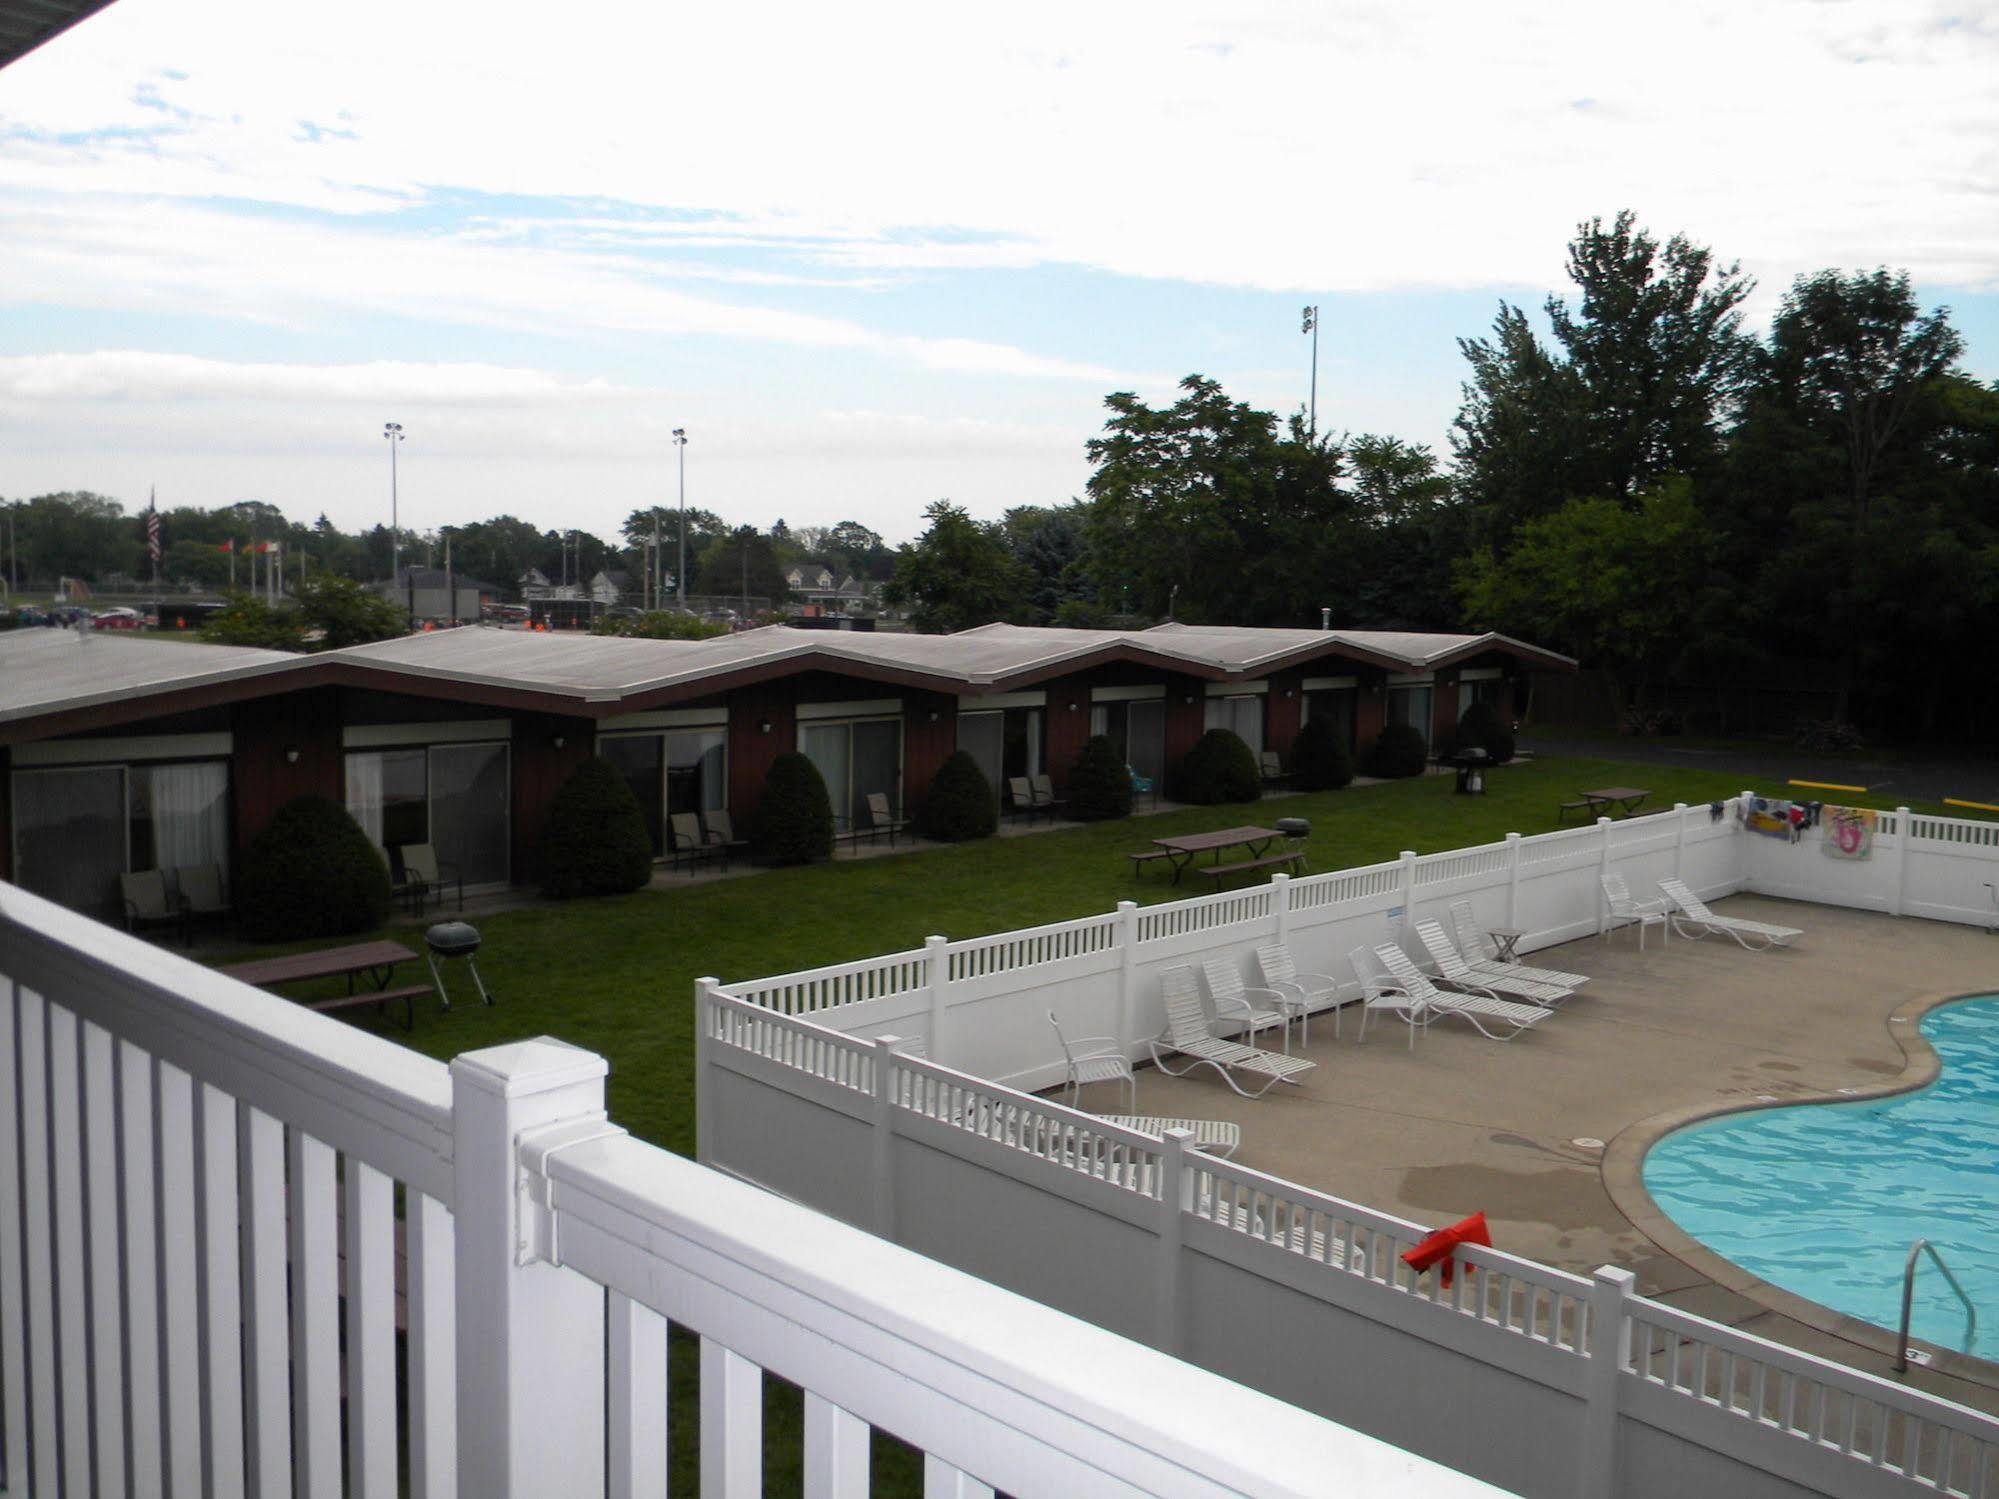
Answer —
26 24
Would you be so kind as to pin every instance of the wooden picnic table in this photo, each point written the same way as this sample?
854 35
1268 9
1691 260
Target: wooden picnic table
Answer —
1625 797
376 960
1181 851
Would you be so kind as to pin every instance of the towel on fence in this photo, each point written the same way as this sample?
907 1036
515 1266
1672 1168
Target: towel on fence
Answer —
1442 1245
1849 832
1770 818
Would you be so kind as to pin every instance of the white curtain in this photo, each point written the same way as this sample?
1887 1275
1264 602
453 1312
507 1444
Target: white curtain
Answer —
190 813
364 794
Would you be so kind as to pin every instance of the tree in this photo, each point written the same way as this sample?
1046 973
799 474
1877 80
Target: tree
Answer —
741 563
858 550
249 620
958 574
1047 541
595 841
341 612
659 624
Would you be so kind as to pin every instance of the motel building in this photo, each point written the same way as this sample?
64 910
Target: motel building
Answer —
121 755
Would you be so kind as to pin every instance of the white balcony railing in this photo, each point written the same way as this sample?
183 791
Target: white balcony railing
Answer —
223 1216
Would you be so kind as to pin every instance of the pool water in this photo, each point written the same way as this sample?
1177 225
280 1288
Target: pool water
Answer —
1825 1199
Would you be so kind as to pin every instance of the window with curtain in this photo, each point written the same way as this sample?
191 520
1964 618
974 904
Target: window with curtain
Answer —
1241 716
1022 742
70 829
697 771
388 794
641 760
1488 690
983 737
180 815
1336 703
1410 704
855 759
1145 737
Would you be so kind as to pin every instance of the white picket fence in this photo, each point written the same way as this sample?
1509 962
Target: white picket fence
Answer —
246 1249
981 1004
1555 1384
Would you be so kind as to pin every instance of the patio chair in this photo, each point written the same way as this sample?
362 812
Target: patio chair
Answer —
690 843
1020 798
1380 991
1189 1034
1481 951
147 904
1094 1059
1509 1016
422 875
1690 917
882 820
1454 971
1231 999
1274 773
1143 786
202 896
1625 911
721 832
1276 967
1044 794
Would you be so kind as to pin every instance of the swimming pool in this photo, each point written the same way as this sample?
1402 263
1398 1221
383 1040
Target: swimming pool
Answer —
1824 1200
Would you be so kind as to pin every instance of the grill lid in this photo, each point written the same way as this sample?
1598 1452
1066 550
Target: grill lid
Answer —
453 939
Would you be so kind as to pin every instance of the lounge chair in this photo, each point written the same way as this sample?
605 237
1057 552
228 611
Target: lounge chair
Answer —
1189 1034
882 820
147 904
1691 918
1216 1137
1509 1016
1625 911
202 896
1233 1002
1480 950
1094 1059
1454 971
1279 972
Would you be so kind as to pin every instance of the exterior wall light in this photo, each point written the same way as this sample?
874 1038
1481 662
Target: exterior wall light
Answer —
763 726
558 741
291 754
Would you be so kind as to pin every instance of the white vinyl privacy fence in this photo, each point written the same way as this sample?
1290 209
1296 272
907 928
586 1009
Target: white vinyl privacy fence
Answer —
1552 1384
248 1250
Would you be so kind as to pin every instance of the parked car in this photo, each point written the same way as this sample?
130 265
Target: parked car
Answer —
119 619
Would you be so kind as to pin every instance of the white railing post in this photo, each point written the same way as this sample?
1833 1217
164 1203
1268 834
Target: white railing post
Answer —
1127 978
884 1138
704 1054
1176 1198
1513 879
1679 837
1280 906
937 963
1904 836
1408 857
530 1333
1601 906
1609 1350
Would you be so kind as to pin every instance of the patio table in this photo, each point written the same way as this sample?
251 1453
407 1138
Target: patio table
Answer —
377 960
1626 798
1181 851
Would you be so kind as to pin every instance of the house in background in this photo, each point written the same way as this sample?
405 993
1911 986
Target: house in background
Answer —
611 585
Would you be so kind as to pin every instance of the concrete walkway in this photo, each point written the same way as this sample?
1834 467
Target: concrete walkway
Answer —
1519 1129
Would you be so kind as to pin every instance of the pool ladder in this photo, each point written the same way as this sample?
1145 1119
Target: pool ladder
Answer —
1916 1250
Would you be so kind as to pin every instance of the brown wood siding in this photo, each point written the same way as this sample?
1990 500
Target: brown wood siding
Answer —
1282 708
751 750
539 769
929 735
1186 718
261 779
1067 730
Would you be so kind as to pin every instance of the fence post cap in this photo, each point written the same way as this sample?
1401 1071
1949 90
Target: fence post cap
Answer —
521 1069
1127 905
1512 837
933 940
1615 1275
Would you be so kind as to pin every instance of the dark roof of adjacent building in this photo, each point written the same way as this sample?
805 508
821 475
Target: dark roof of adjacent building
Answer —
26 24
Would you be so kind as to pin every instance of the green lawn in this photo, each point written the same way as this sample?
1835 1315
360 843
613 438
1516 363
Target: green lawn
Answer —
617 975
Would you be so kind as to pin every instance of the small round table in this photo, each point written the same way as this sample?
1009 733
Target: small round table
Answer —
1503 940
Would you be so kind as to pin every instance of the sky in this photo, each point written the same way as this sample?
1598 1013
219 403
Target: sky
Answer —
870 257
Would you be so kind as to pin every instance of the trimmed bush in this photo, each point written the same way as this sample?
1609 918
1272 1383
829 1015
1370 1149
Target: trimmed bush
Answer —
794 820
1219 768
596 841
960 806
1099 783
1398 754
311 873
1319 758
1481 727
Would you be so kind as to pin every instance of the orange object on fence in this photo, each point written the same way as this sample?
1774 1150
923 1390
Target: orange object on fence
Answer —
1442 1246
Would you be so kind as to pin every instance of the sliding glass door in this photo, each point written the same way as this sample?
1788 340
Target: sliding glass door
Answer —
1241 716
856 758
1136 730
983 737
455 797
77 830
685 771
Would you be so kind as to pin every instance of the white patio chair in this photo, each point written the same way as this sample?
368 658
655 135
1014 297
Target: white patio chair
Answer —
1216 1137
1190 1034
1476 943
1625 911
1690 917
1280 973
1509 1015
1380 991
1094 1059
1454 971
1233 1002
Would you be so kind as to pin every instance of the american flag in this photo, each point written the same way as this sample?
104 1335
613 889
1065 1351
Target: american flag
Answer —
153 526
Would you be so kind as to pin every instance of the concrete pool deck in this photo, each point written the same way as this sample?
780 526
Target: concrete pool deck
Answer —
1681 1031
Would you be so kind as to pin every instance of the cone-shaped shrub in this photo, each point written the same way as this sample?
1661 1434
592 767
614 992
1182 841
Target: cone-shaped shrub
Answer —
1219 768
596 841
1319 758
1481 726
311 873
960 805
794 820
1398 753
1099 783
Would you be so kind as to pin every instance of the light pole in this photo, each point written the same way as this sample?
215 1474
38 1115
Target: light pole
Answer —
680 569
393 431
1311 326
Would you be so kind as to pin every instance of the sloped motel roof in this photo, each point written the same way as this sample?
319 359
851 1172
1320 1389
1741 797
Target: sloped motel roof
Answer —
56 681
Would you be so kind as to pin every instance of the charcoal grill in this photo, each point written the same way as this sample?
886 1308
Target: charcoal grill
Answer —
454 939
1294 827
